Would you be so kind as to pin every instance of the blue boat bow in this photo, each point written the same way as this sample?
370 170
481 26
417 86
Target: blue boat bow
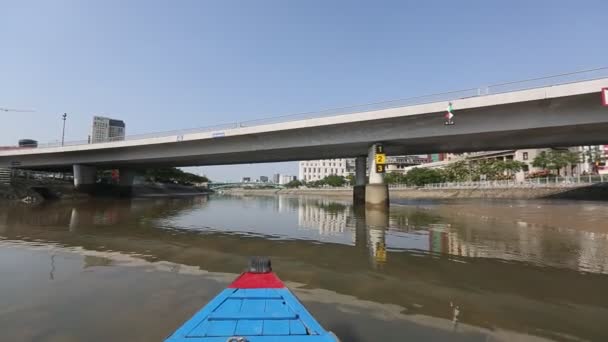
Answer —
256 307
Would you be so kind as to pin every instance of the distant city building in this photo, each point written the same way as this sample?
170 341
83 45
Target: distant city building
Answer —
284 179
246 180
106 129
263 179
276 178
398 164
435 157
314 170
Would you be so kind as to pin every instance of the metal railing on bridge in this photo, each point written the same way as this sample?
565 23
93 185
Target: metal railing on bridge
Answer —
492 89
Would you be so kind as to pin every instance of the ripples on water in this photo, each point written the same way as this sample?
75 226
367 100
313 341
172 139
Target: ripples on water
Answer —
466 270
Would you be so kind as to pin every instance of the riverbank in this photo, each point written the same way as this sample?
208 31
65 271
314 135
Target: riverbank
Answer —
596 192
29 191
591 192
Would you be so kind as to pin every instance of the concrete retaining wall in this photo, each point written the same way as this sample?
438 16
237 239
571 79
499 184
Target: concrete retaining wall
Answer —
592 192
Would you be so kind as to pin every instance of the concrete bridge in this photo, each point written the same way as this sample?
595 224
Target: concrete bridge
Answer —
555 114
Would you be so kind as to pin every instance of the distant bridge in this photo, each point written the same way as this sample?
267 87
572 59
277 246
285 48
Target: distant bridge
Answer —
244 185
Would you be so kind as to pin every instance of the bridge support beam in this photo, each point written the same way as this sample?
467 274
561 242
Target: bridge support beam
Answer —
125 181
84 177
376 192
360 181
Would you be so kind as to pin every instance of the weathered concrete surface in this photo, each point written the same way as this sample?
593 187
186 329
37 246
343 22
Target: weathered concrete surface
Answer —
596 192
376 195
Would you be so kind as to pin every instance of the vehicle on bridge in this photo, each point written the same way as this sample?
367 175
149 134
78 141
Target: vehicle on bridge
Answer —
31 143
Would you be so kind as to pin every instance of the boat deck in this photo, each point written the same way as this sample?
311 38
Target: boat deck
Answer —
263 311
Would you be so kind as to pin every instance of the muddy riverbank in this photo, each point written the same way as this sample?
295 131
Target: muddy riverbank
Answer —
37 192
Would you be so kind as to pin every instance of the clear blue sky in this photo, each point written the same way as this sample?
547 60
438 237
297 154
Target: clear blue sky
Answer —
163 65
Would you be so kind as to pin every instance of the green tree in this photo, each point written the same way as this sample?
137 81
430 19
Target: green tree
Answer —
395 178
350 179
488 168
422 176
333 180
457 172
542 160
293 184
560 159
173 175
556 160
513 166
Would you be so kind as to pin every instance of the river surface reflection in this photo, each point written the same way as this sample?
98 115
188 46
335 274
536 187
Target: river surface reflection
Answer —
425 270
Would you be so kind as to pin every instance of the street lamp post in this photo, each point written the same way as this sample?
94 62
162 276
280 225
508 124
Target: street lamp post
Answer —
64 116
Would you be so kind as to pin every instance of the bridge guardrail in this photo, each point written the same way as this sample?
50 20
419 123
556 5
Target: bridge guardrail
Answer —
498 88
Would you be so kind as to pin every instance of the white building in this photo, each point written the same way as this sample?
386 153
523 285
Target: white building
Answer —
284 179
314 170
106 129
398 164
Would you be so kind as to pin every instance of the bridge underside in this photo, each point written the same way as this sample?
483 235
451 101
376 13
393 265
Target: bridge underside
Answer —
565 121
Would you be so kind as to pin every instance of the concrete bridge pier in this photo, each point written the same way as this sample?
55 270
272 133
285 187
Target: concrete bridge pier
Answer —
360 181
125 181
376 192
84 177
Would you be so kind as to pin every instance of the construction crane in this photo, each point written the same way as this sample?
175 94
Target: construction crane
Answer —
2 109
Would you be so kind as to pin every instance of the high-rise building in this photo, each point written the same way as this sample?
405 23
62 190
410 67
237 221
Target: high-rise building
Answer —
276 178
106 129
263 179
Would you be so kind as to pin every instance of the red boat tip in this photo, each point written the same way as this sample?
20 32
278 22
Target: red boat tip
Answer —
249 280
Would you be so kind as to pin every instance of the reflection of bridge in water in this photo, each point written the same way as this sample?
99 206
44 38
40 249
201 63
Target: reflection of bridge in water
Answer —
334 221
